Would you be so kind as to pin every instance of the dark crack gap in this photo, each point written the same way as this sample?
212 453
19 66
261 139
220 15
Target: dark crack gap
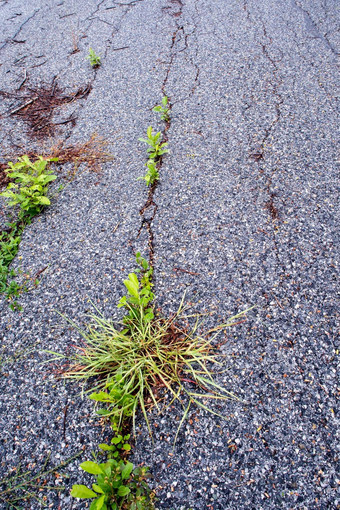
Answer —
149 209
259 156
11 39
313 26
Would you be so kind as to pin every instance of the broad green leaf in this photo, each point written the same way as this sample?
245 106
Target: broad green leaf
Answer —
105 447
98 503
127 470
91 467
81 491
126 447
123 491
103 412
43 200
96 488
99 397
134 279
49 178
131 287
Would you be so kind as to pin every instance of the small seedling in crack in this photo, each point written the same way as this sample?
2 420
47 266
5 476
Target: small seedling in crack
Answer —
157 148
93 58
163 109
152 174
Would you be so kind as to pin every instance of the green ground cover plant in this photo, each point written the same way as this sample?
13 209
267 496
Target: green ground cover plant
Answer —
119 485
27 192
29 186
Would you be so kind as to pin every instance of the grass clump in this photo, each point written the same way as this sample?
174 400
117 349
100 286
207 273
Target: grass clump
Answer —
143 358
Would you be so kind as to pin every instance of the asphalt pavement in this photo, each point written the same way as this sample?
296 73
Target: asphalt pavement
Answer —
246 215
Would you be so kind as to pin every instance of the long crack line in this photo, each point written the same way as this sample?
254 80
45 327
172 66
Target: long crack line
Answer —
146 221
278 101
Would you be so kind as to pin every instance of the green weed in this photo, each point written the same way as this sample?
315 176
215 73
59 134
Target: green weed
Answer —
119 486
139 295
152 174
163 109
93 58
157 148
145 354
28 191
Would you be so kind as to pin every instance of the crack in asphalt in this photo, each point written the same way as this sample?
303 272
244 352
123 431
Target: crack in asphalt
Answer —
278 101
314 26
10 39
150 204
109 41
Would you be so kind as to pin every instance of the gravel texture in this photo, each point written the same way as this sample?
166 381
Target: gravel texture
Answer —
246 215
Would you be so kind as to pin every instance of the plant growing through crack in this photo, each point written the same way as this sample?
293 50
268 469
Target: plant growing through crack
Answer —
94 59
144 356
163 109
152 174
119 485
157 147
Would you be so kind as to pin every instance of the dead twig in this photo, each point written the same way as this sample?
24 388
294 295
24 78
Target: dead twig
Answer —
186 271
24 105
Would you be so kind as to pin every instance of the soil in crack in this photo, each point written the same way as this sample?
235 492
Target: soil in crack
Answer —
4 179
270 206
